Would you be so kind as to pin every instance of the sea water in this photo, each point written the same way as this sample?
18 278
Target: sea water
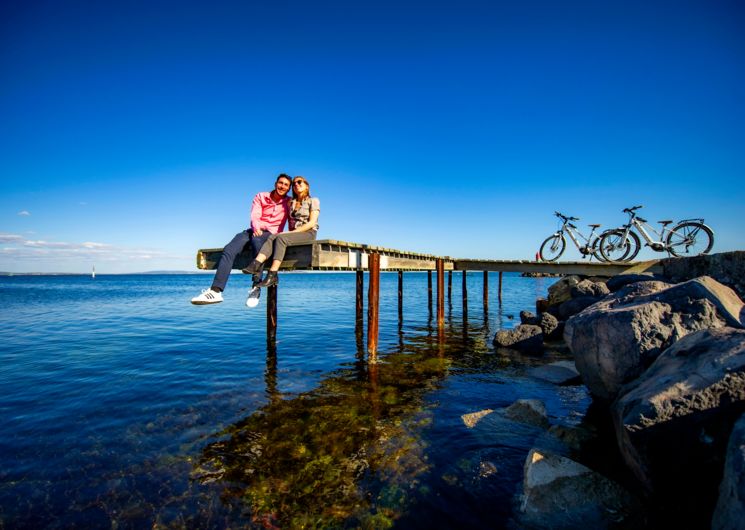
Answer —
123 405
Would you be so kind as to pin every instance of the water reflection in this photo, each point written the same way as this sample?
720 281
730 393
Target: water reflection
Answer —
351 451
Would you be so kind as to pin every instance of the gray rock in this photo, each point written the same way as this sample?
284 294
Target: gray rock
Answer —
559 373
560 493
528 411
525 338
727 268
526 317
575 305
615 283
549 325
597 289
729 513
673 423
561 291
616 339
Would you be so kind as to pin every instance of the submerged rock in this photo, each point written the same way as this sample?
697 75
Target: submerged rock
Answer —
560 493
470 420
559 373
528 411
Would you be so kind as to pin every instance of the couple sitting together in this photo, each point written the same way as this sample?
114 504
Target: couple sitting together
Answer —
269 213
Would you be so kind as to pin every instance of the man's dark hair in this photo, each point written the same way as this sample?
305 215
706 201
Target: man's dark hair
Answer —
283 176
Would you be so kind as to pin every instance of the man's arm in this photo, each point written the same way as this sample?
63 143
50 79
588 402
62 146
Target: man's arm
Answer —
256 215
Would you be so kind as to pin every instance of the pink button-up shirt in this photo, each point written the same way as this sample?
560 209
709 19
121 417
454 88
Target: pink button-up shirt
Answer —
269 215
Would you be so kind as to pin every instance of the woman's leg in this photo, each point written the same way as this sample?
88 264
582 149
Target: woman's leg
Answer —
280 245
229 253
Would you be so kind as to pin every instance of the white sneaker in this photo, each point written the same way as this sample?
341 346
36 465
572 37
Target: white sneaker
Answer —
253 297
208 296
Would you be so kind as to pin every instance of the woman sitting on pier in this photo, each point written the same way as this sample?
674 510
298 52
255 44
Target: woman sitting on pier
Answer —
303 220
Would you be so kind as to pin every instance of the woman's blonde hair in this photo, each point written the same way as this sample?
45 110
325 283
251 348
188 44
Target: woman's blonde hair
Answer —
297 199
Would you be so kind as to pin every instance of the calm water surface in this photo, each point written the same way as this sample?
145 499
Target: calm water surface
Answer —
125 406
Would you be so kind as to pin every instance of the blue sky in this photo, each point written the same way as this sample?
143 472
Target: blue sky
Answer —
134 133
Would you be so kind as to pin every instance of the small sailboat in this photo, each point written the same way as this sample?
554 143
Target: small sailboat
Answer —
93 272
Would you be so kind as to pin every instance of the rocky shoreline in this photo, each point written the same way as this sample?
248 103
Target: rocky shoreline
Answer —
663 357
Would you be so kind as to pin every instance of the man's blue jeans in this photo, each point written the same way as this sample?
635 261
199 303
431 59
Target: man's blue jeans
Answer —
234 248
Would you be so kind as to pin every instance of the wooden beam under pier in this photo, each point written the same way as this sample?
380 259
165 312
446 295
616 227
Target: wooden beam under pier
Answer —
330 254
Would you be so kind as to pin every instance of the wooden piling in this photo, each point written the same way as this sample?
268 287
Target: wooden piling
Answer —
465 295
271 313
440 265
499 292
373 299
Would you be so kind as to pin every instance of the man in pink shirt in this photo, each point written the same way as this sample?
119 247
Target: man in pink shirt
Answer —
269 212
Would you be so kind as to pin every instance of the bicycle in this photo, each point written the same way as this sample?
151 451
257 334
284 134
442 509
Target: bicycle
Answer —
690 237
553 247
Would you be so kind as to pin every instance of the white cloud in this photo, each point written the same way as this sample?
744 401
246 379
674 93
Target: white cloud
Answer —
24 213
10 238
22 249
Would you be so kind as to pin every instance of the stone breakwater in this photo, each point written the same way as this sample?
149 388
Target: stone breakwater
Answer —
664 360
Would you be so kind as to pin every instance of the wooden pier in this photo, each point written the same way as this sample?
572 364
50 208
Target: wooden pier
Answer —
332 255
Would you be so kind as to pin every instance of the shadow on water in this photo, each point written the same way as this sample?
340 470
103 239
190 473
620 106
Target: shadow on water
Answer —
347 453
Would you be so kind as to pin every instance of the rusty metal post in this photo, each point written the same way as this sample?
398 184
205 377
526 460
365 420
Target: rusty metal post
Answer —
373 299
271 313
499 292
464 292
440 264
360 286
486 292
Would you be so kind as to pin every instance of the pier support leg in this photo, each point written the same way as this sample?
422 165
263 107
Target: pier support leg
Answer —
486 292
429 292
373 299
450 287
465 296
499 291
360 286
400 294
440 264
271 313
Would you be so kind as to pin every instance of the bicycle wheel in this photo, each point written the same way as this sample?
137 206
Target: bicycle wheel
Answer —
595 250
552 248
614 247
690 239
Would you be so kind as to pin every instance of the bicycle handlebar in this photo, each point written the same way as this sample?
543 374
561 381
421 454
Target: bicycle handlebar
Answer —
562 216
630 210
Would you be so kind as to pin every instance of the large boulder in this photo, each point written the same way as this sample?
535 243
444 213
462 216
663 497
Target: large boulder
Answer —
673 423
622 280
597 289
575 305
524 338
617 338
561 493
730 511
561 291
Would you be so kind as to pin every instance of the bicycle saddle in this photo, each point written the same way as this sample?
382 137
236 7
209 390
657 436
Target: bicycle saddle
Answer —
666 222
594 226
